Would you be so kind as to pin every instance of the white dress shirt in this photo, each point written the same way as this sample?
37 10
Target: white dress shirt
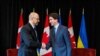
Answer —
56 27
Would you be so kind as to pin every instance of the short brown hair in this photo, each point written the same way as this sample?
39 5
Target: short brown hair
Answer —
54 15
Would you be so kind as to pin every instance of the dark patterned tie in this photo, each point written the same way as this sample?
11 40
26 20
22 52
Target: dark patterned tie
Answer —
37 41
35 32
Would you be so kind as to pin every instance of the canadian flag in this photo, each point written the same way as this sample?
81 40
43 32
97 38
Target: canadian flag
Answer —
19 28
45 38
70 29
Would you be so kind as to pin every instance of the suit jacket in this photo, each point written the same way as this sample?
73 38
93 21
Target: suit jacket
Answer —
60 42
29 41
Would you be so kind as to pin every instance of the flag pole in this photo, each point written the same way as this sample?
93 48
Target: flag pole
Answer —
59 12
47 11
33 9
70 12
21 11
83 11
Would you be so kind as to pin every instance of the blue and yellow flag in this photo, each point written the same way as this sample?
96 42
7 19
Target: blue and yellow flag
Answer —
82 39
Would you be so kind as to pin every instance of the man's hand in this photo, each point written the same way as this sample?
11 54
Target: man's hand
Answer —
43 45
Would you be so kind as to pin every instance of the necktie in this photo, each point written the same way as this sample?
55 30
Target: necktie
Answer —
35 32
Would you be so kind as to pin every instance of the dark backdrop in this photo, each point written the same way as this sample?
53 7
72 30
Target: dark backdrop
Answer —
10 11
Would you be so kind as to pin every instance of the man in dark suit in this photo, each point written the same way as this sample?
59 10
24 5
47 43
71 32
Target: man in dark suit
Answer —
59 38
29 37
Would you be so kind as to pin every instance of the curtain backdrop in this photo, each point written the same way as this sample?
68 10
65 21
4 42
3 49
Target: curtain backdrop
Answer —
10 12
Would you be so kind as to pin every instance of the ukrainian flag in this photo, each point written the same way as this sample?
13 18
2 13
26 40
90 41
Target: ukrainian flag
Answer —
82 39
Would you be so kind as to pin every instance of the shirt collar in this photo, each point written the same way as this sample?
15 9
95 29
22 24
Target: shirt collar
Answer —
33 26
56 26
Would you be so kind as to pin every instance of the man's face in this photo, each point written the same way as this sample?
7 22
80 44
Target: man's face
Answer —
52 21
35 19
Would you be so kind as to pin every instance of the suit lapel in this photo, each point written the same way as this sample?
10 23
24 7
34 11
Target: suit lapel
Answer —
53 31
52 34
33 31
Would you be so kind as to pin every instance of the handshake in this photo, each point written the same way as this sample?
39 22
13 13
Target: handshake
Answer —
43 45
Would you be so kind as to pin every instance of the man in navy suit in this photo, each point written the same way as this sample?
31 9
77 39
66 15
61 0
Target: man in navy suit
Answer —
59 38
29 37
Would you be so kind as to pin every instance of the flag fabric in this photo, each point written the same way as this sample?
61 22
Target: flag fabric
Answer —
82 39
71 32
45 38
20 24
